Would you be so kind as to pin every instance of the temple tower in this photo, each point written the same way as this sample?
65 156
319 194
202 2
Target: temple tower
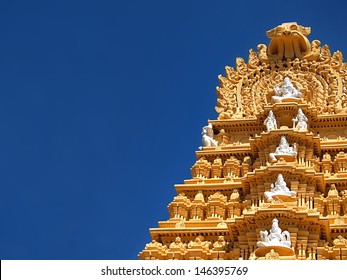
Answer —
270 180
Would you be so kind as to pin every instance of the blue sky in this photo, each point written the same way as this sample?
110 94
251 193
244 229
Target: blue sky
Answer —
101 109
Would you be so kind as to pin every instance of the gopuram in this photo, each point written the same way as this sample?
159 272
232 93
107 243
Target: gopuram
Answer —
270 179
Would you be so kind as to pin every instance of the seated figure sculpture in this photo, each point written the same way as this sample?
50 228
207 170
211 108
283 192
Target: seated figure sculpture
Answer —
284 150
270 122
275 238
287 91
301 120
207 137
279 189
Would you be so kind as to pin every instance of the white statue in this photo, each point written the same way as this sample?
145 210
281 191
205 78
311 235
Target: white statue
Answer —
275 238
284 149
287 91
270 122
207 137
279 189
301 120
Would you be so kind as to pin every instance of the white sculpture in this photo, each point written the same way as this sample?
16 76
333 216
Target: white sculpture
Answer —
270 122
279 189
287 91
207 137
284 149
302 121
275 238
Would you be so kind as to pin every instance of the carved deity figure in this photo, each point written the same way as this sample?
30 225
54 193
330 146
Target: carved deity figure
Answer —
270 122
340 241
219 244
199 243
283 149
275 238
301 121
327 156
279 188
177 244
235 196
287 91
207 137
333 191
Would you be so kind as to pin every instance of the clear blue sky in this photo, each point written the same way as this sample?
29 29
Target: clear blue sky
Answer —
101 109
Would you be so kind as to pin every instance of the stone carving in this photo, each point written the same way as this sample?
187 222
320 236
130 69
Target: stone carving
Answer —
270 122
288 41
283 149
177 244
198 243
333 191
243 93
301 121
262 53
235 196
220 244
155 245
272 255
339 221
340 241
315 51
180 225
201 168
207 137
241 162
154 250
327 156
287 92
253 60
199 197
275 238
279 189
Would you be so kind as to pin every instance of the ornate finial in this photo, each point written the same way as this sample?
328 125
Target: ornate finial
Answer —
288 41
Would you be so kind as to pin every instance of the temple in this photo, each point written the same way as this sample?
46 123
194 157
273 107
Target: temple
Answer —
270 179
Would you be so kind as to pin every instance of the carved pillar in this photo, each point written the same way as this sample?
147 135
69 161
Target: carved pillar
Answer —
301 155
246 166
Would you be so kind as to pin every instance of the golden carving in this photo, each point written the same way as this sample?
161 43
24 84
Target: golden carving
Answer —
291 89
198 243
340 241
245 92
220 244
288 41
272 255
177 244
201 168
